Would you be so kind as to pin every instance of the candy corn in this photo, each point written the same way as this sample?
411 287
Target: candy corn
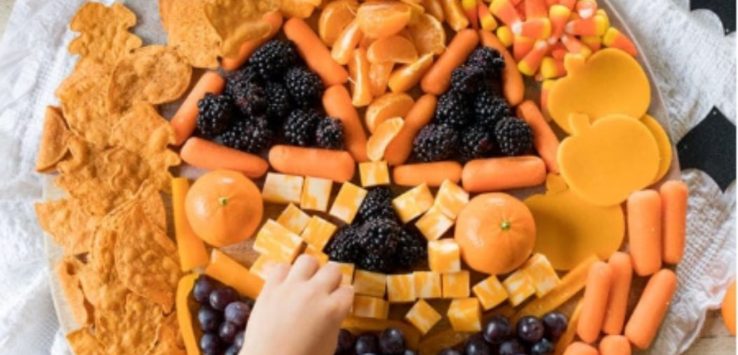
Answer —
586 8
522 46
552 68
574 46
593 42
616 39
593 26
505 35
538 28
505 11
471 11
558 51
568 3
486 20
535 9
558 15
530 63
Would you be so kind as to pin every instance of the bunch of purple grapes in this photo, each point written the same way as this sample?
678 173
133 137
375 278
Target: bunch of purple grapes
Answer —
391 341
222 316
531 336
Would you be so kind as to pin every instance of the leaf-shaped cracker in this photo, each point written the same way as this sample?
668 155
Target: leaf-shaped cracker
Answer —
69 226
103 32
237 21
192 34
54 138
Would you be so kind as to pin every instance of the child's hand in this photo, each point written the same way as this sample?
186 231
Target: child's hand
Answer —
299 311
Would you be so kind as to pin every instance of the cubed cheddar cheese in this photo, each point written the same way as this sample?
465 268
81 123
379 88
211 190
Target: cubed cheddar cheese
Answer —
317 254
318 232
401 288
450 199
282 189
423 316
519 287
374 173
434 224
464 315
261 265
347 202
315 194
490 292
369 283
293 218
428 284
370 307
413 203
456 284
444 256
277 242
541 273
347 272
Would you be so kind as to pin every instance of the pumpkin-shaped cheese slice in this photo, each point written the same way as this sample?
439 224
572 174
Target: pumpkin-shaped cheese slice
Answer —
664 144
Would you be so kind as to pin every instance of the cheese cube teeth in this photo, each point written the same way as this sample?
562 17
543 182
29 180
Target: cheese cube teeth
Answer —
347 202
282 189
315 194
423 316
444 256
490 292
413 203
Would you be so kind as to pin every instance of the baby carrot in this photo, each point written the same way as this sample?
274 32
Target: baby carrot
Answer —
419 115
496 174
615 345
191 249
274 19
579 348
211 156
512 81
314 51
651 309
674 219
438 77
617 301
337 103
431 174
544 138
184 121
336 165
594 302
644 231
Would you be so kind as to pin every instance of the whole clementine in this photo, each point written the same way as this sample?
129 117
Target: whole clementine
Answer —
224 207
496 233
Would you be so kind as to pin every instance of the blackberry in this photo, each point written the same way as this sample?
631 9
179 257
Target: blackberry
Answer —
273 58
344 246
329 134
249 97
452 110
489 108
489 60
304 86
215 114
278 103
375 263
476 142
411 248
299 127
514 136
434 143
378 239
242 78
467 79
376 204
252 136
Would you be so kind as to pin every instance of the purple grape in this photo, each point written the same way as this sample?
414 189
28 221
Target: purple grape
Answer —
345 342
392 341
555 324
238 340
530 329
221 297
209 342
366 344
232 350
409 352
227 332
449 352
511 347
208 318
203 286
477 346
497 330
543 347
237 313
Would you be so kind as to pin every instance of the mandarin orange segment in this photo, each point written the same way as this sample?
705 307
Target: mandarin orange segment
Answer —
359 70
394 49
428 35
334 18
379 74
343 47
407 76
298 8
387 106
382 137
380 19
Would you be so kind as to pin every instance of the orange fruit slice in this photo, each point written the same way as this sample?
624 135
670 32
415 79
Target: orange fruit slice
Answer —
379 19
428 35
407 76
298 8
359 70
387 106
346 42
334 18
382 137
379 74
395 49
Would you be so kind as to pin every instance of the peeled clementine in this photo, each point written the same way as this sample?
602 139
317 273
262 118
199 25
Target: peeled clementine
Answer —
334 18
378 19
428 35
496 233
361 94
382 137
407 76
379 77
387 106
224 207
395 49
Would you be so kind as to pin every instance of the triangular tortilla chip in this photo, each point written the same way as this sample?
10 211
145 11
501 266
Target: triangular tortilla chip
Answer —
54 140
67 271
237 21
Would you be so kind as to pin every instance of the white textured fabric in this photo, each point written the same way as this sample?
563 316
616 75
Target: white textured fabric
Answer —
694 67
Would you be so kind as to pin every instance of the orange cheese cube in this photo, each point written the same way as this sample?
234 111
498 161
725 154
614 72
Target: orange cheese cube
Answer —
318 232
401 288
444 256
347 272
413 203
261 265
465 315
434 224
519 287
451 198
369 283
277 242
293 218
490 292
423 316
541 273
282 189
317 254
370 307
428 284
456 284
374 173
315 194
347 202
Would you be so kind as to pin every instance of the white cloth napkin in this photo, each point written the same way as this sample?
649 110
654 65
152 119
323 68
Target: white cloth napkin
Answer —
694 67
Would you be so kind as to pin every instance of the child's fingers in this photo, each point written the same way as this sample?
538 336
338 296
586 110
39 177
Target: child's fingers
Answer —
276 273
328 277
342 300
303 269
